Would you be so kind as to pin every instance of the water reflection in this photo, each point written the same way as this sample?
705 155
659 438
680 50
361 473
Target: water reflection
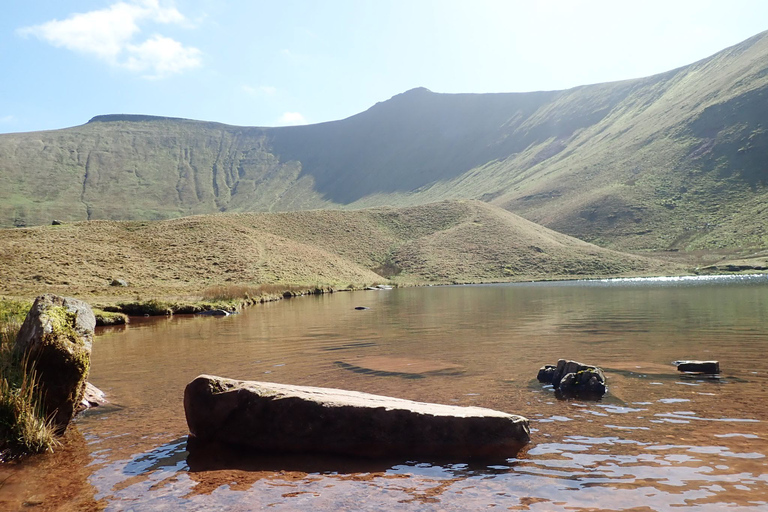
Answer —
658 440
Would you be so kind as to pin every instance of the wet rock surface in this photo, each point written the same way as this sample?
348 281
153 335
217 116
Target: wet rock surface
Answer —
572 379
92 397
279 418
215 312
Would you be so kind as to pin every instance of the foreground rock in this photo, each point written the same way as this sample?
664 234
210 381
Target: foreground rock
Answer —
56 337
707 367
572 379
300 419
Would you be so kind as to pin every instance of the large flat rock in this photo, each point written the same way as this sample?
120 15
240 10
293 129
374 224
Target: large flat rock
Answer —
300 419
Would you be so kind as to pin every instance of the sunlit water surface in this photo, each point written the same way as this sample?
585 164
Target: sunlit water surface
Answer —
658 441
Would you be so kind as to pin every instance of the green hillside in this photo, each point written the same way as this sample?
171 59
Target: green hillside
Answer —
450 241
675 161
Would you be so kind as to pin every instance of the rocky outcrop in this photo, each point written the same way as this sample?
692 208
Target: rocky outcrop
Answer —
572 379
56 337
281 418
706 367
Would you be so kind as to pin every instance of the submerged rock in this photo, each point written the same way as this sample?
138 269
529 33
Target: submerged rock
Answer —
56 337
707 367
572 379
300 419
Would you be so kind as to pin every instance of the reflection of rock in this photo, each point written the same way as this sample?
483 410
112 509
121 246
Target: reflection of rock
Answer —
708 367
57 481
300 419
56 337
572 379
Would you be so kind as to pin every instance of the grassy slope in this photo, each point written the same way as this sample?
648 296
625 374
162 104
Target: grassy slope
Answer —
673 161
680 163
144 170
459 241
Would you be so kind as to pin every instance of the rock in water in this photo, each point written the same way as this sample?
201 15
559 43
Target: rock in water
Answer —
546 374
300 419
572 379
214 312
56 337
92 397
708 367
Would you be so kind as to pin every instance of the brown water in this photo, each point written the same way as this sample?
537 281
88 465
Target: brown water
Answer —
657 441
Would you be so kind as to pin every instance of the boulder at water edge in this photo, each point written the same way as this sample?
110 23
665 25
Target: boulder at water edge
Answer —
572 379
300 419
56 337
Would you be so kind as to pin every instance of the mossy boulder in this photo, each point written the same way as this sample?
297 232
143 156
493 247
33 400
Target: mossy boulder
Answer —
572 379
56 339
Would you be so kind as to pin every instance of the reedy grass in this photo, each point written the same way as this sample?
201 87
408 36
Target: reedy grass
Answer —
109 317
23 425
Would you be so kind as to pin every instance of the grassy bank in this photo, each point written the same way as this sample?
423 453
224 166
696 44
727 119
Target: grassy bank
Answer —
250 257
23 427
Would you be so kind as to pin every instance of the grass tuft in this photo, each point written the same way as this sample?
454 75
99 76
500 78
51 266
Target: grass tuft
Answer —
23 426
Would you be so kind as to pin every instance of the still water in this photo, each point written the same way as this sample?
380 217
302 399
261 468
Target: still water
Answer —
658 441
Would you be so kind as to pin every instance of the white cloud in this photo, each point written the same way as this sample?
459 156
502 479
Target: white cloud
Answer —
7 119
108 34
161 56
291 118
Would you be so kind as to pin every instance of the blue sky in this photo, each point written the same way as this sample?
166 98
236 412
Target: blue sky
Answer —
259 63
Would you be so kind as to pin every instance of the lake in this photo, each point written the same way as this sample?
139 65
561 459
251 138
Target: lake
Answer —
659 440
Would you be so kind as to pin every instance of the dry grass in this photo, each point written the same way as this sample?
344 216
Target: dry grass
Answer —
671 161
230 256
23 426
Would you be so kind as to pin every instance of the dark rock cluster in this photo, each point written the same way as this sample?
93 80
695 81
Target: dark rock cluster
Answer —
572 379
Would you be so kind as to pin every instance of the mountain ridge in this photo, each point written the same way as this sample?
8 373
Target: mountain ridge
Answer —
668 162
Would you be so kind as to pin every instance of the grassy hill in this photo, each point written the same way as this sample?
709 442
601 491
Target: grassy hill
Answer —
450 241
676 161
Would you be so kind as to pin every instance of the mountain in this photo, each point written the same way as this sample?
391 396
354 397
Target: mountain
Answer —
676 161
448 241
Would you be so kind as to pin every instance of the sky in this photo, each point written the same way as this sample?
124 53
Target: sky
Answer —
283 62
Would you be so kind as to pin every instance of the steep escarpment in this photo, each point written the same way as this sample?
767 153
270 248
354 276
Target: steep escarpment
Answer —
674 161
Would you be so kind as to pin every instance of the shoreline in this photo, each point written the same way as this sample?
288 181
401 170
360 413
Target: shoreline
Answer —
117 309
